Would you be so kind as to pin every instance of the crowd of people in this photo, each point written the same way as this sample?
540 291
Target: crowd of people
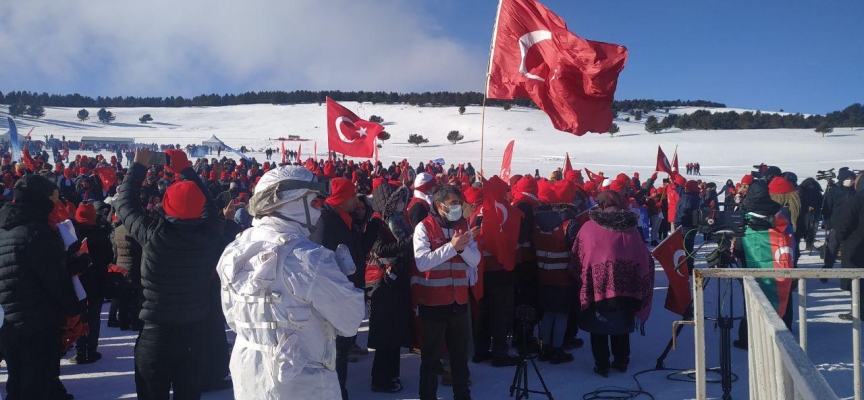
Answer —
293 257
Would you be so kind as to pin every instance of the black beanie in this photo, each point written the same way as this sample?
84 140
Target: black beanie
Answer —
35 190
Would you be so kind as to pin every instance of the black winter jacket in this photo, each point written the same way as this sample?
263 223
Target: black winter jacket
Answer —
127 253
35 288
95 279
849 226
179 256
331 231
687 204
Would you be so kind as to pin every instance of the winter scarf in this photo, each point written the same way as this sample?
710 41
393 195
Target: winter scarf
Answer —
612 264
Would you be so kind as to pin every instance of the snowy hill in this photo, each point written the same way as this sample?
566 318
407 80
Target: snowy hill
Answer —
722 154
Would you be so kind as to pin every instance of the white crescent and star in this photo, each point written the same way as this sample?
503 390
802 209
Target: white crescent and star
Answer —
780 252
503 212
361 132
525 43
679 254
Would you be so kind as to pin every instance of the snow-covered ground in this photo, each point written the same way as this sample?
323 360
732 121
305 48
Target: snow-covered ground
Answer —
722 154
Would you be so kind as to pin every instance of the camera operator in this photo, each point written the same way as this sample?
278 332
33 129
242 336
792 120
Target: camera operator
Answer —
834 199
688 203
849 232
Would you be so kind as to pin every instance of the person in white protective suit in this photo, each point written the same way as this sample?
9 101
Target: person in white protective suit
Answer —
286 297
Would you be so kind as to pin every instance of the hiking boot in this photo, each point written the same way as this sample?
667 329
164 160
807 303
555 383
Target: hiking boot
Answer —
604 372
80 357
740 344
358 351
846 317
113 323
392 386
505 360
573 343
560 356
619 366
545 354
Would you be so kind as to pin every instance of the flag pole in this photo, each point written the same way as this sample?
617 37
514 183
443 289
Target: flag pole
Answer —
486 88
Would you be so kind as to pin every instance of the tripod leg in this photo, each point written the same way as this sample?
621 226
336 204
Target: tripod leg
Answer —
542 382
516 379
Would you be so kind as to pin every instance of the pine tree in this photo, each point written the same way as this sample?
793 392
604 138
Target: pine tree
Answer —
83 115
637 115
651 125
384 136
105 116
454 137
17 109
145 118
416 139
824 128
613 130
376 119
507 106
461 110
36 111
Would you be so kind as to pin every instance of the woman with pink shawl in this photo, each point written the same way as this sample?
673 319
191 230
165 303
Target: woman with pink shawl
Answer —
615 278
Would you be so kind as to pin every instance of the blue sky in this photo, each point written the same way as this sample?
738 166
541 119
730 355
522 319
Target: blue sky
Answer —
796 55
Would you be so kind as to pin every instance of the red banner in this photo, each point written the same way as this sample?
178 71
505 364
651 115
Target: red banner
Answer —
663 162
506 162
672 257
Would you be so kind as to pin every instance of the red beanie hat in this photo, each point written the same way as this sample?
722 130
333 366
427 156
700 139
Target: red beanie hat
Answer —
183 200
622 177
780 185
545 193
680 180
527 184
377 182
747 179
341 189
565 191
473 195
224 176
590 187
86 214
573 175
617 186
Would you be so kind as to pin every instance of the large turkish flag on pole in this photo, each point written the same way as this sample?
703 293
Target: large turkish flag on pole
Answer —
663 162
348 134
572 79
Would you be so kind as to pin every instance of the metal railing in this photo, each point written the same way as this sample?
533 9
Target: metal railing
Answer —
779 368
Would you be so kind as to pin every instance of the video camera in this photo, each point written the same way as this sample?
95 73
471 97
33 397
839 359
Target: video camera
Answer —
827 175
727 222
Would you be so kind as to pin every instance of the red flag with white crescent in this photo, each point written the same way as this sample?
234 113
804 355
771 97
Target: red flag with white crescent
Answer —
507 161
571 79
348 134
501 221
663 162
675 161
672 257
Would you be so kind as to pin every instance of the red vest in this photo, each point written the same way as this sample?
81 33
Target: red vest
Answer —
446 283
553 256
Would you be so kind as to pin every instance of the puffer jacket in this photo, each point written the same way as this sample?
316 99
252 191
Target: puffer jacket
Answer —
849 226
127 253
95 279
287 299
179 256
35 289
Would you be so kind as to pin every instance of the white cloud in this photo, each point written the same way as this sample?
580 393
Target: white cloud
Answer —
165 47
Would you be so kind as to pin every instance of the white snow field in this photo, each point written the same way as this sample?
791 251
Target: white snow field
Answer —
722 154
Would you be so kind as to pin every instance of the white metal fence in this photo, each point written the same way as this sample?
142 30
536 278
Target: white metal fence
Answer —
778 366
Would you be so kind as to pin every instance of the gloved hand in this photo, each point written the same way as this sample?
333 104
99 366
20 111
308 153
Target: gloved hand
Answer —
343 258
177 161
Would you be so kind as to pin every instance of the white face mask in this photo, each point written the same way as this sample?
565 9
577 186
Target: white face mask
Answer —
455 213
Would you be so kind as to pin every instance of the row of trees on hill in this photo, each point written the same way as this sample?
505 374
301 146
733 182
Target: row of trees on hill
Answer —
36 110
851 116
437 99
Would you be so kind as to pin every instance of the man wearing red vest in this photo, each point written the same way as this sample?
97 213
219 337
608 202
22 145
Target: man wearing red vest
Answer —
525 198
446 259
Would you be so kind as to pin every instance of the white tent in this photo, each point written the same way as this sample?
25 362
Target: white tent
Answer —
213 143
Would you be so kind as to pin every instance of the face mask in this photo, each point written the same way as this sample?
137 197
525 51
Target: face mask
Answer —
455 213
847 183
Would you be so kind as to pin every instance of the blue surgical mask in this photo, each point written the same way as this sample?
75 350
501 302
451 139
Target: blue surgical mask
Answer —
455 213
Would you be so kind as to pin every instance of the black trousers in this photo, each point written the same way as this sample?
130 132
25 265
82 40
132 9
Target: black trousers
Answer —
495 318
343 346
600 349
128 308
92 316
33 362
385 366
832 247
216 351
452 330
170 356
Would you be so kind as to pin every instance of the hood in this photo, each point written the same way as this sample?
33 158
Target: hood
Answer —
16 214
614 219
759 201
812 184
844 175
550 216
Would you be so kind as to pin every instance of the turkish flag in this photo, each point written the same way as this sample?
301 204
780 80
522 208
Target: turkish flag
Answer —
500 229
284 155
572 79
29 162
663 162
675 161
596 178
671 255
507 161
567 165
107 175
348 134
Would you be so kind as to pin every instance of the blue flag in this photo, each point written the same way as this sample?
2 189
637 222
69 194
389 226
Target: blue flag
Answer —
13 140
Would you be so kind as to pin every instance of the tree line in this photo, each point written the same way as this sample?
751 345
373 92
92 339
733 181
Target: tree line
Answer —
435 99
852 116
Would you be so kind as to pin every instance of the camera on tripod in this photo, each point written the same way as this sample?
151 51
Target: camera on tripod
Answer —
827 175
709 221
